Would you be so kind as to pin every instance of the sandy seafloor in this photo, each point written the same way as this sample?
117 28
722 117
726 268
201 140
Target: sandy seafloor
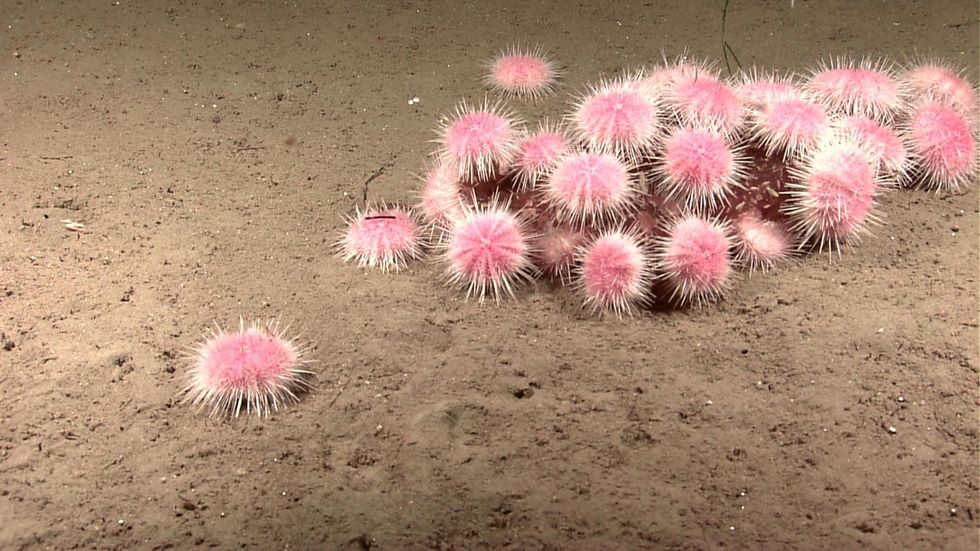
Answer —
211 150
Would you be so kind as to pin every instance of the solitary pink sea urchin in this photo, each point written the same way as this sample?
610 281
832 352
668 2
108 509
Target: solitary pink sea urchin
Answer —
615 272
694 259
522 73
478 142
618 117
488 252
698 168
833 194
589 188
381 237
255 369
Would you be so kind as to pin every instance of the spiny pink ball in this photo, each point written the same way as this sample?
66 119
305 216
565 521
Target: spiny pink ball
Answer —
522 73
695 260
942 146
760 243
615 273
931 81
834 193
617 117
868 89
703 100
381 237
789 126
537 155
488 252
554 250
698 167
441 194
479 142
881 141
757 88
255 369
589 188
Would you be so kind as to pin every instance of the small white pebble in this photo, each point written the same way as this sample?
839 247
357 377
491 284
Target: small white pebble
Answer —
284 493
121 522
709 402
901 398
892 430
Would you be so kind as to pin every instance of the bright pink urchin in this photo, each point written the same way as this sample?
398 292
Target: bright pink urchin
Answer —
488 252
381 237
698 168
694 259
760 243
867 89
538 154
589 188
883 143
441 194
615 272
832 197
256 368
703 100
942 146
479 142
790 126
935 81
617 117
522 73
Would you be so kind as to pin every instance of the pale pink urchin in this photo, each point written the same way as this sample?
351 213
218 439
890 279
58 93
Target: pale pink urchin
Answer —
554 250
942 147
522 73
832 197
694 259
381 237
441 194
698 168
617 117
256 369
589 188
703 100
760 243
756 87
790 126
488 251
478 142
615 272
538 154
935 81
864 89
881 141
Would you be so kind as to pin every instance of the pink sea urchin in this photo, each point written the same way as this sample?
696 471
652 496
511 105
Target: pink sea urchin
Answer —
788 125
440 195
488 251
617 117
538 154
881 141
703 100
760 243
522 73
942 147
698 167
589 188
555 248
615 272
478 142
936 81
694 259
256 369
833 194
381 237
867 88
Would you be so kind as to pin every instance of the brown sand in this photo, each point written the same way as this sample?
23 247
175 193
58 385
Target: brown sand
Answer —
211 148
